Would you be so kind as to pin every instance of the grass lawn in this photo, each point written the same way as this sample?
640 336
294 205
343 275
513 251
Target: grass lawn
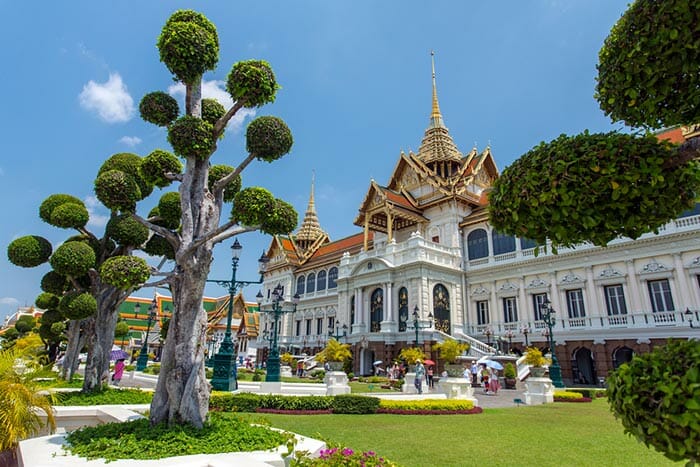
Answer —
559 434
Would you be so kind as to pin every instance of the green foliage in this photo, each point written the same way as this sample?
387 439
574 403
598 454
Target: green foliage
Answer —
287 359
55 283
139 440
117 190
252 205
450 349
171 223
52 202
78 305
252 82
159 108
159 246
158 163
336 455
279 402
189 45
427 404
125 272
130 164
121 329
29 251
212 111
73 259
25 323
268 138
509 370
93 242
21 400
164 326
648 70
216 173
596 187
169 208
229 402
411 355
191 137
52 315
334 351
568 395
127 231
70 216
105 397
46 301
534 357
351 404
656 396
282 219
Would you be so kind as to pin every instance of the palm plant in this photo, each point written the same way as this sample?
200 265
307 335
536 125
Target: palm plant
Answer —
21 401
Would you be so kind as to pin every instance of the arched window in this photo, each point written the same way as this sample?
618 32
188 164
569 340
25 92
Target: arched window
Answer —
332 277
526 244
376 307
502 243
321 281
352 310
691 212
311 283
301 281
441 308
403 308
477 244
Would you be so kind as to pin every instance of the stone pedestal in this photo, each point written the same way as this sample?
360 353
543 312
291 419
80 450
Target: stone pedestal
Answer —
457 388
271 387
286 371
538 391
336 383
408 386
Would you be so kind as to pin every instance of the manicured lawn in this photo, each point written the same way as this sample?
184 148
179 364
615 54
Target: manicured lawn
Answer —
559 434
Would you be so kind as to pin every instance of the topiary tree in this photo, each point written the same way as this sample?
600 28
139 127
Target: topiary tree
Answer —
187 223
656 396
601 186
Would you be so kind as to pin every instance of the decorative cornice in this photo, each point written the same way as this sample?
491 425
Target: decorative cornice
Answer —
571 278
508 287
537 283
610 273
654 267
480 290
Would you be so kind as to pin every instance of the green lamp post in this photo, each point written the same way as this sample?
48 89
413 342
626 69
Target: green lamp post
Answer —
337 336
142 361
276 311
549 318
417 326
224 378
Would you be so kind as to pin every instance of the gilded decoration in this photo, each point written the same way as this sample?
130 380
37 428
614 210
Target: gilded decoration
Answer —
441 308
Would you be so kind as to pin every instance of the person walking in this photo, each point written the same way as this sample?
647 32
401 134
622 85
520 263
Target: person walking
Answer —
420 373
475 373
429 376
118 372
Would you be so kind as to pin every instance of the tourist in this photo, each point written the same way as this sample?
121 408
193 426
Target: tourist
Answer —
494 384
420 372
484 373
475 373
429 377
118 372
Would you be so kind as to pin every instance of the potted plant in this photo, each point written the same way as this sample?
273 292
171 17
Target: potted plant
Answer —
509 375
449 350
537 361
335 354
411 355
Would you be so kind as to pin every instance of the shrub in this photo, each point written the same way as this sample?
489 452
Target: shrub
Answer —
427 404
216 173
252 82
227 402
351 404
29 251
117 190
52 202
159 108
191 137
570 396
534 357
104 397
127 231
509 371
337 456
656 396
411 355
158 163
450 349
268 138
124 272
258 375
334 351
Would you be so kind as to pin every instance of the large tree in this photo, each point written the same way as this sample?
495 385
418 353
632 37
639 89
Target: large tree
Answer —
596 187
191 221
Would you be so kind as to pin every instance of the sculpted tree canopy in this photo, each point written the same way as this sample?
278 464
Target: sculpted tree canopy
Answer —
597 187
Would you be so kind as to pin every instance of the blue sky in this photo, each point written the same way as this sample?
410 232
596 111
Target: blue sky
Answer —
356 90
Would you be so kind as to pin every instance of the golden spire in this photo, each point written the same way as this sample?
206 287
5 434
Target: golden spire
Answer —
435 116
310 228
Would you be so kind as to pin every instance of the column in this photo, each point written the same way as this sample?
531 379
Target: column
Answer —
366 241
593 295
389 226
523 313
635 295
686 300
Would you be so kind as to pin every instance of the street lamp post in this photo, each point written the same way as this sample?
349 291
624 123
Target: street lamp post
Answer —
273 360
689 317
488 333
509 334
337 336
417 326
549 318
142 361
224 378
525 330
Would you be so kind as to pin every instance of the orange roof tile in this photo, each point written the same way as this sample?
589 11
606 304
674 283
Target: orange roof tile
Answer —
342 245
674 135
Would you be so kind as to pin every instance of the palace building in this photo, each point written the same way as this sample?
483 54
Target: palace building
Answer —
426 265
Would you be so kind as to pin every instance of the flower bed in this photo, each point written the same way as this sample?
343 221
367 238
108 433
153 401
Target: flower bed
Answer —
570 396
428 407
430 412
295 412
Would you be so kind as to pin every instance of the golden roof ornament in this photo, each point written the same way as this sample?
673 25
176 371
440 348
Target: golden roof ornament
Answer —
310 229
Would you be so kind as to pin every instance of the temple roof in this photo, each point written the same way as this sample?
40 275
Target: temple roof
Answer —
310 229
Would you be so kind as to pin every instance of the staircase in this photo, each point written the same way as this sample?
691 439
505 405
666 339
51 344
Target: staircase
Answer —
477 348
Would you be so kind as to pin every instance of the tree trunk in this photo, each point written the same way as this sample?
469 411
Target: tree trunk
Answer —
102 336
71 358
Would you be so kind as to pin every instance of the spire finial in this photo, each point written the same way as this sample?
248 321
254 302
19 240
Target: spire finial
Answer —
311 197
435 114
310 229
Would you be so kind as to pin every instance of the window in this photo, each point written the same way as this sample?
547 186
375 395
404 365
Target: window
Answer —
311 283
615 300
477 244
308 327
502 243
352 310
376 310
526 244
510 310
321 281
403 309
319 325
660 296
537 301
574 303
482 312
332 278
301 281
441 308
435 239
331 323
297 331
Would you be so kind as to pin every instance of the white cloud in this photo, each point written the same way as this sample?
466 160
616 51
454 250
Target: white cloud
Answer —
215 90
130 141
9 301
110 100
97 218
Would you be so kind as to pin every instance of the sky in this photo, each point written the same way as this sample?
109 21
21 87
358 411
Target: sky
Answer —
356 90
